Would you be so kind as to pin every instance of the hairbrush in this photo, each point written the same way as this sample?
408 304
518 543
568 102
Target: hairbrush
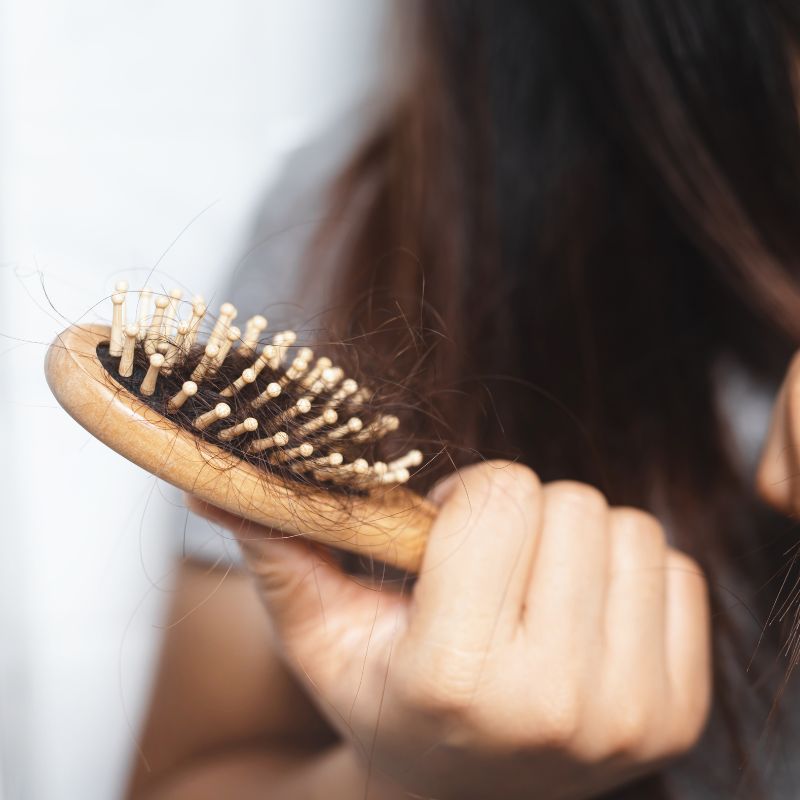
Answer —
256 425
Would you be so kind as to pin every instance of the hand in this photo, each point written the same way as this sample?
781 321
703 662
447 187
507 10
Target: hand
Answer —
552 647
778 478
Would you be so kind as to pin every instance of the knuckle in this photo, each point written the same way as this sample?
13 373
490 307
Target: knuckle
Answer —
497 480
684 738
513 479
635 521
559 721
680 562
629 732
437 698
437 685
687 580
274 582
580 497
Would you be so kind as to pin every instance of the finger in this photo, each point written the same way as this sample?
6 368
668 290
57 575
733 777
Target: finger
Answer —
251 537
688 648
308 598
567 589
476 565
779 470
635 601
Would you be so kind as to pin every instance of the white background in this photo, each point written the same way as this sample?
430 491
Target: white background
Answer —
120 122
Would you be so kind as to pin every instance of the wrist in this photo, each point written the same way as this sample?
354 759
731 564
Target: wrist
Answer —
340 773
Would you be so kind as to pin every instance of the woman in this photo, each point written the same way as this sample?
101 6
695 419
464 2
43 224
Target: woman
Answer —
586 215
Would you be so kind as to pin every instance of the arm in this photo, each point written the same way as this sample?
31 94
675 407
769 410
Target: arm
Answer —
224 710
552 647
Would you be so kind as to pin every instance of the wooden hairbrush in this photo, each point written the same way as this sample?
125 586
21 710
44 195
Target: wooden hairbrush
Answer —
266 431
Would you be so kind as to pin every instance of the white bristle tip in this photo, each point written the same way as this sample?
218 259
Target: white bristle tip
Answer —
189 388
330 416
281 438
274 389
306 450
304 405
250 424
222 410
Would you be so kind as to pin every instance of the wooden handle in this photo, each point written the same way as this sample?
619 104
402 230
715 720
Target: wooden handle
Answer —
390 525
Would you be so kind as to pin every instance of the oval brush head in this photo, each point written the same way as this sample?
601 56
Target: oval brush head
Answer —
257 426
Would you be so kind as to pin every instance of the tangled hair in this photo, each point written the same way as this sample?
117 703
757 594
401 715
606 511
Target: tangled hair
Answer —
584 210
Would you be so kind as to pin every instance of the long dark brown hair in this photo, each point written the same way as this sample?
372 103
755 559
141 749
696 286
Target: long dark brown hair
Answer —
584 210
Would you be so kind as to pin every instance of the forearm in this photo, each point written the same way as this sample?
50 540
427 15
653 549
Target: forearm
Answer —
221 691
335 773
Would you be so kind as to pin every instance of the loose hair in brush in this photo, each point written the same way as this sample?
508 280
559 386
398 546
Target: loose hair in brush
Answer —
598 203
265 429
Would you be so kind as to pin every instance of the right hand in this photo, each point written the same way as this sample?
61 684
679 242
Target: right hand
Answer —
553 647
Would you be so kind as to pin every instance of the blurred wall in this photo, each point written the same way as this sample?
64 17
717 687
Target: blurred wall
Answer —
131 135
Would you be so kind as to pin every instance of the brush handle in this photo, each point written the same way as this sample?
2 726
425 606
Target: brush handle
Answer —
390 525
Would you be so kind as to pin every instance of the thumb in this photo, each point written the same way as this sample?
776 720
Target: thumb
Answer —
307 597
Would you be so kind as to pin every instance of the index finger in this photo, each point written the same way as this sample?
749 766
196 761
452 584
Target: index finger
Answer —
474 574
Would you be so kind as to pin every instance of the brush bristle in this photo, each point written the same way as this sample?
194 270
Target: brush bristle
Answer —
271 402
